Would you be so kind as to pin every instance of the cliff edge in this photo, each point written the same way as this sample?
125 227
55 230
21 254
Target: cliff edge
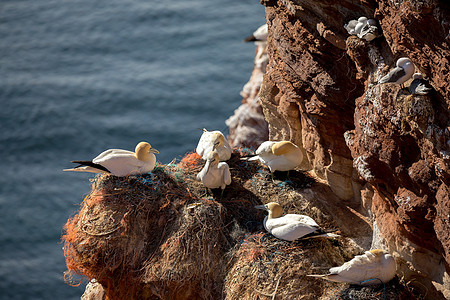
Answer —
381 150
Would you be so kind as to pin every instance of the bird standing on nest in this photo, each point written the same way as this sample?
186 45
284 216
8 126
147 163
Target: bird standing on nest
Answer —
290 227
120 162
213 141
278 156
373 267
215 174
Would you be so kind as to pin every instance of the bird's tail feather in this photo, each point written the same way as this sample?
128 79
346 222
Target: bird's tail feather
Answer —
332 277
318 276
85 169
325 235
251 38
250 157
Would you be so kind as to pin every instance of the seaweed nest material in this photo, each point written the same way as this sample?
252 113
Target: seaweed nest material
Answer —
164 236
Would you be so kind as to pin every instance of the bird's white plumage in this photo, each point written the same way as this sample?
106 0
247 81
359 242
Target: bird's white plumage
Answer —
261 33
282 162
366 269
364 28
121 162
368 31
289 227
361 22
350 27
213 141
215 174
401 73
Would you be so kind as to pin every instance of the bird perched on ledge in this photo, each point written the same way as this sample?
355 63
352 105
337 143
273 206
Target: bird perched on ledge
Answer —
401 73
120 162
373 267
215 174
290 227
278 156
369 30
365 29
213 141
259 35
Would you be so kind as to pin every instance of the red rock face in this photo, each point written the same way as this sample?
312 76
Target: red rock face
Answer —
319 92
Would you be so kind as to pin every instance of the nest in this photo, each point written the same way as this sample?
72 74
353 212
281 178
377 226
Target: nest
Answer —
391 290
159 235
120 223
164 236
263 267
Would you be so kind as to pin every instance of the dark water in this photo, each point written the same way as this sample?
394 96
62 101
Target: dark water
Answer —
79 77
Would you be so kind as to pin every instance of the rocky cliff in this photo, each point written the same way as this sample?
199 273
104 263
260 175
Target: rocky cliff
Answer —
381 150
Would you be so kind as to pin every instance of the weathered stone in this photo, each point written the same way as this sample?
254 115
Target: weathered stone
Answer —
380 149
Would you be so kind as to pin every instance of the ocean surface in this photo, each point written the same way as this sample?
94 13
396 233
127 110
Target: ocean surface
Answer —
79 77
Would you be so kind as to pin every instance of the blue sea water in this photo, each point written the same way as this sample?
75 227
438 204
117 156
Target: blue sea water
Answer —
81 76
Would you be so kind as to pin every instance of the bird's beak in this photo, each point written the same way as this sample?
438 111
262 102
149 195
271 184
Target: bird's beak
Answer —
263 207
153 150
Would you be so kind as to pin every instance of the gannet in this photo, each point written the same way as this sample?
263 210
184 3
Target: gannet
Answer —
213 140
260 39
259 34
419 86
215 174
401 73
120 162
278 156
373 267
290 227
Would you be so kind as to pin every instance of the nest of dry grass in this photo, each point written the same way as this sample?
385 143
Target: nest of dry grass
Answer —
391 290
163 236
120 222
263 267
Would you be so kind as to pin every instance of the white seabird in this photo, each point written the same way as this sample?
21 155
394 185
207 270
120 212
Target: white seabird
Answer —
278 156
290 227
401 73
373 267
215 174
419 86
361 22
213 140
120 162
259 35
260 38
350 27
369 30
